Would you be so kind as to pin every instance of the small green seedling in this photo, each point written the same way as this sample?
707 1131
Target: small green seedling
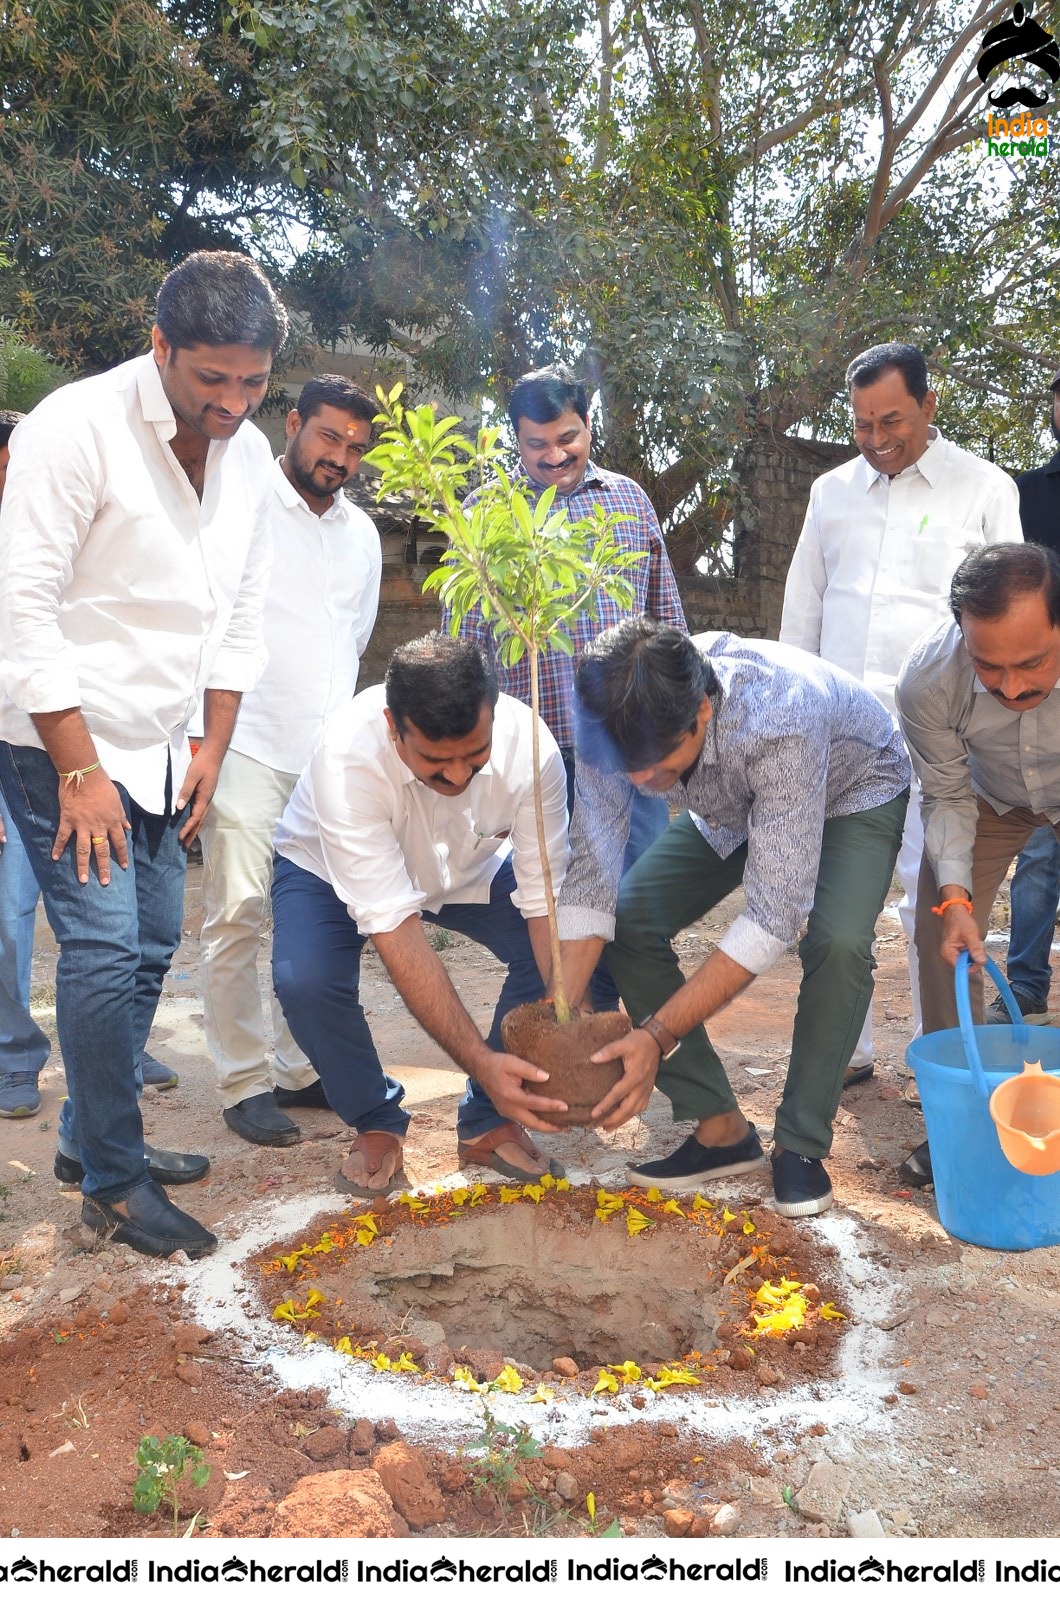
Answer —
162 1467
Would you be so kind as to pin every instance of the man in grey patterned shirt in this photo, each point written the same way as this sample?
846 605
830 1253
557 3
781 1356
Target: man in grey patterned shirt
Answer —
796 783
979 704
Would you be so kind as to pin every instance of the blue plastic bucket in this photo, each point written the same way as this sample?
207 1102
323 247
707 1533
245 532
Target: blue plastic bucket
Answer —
980 1197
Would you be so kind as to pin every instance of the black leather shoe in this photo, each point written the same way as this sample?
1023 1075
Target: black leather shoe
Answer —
259 1120
915 1170
154 1225
164 1166
312 1095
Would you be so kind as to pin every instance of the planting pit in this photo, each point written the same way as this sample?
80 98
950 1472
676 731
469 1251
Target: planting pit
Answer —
607 1293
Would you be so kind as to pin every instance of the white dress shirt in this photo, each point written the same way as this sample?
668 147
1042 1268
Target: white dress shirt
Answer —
871 571
320 610
120 592
391 847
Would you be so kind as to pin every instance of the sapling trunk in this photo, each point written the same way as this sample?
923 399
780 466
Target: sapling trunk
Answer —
558 991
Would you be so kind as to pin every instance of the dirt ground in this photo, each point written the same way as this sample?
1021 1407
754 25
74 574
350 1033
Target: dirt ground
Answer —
930 1410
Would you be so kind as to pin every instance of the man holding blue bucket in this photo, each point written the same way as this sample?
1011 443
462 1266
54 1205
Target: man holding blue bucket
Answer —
979 709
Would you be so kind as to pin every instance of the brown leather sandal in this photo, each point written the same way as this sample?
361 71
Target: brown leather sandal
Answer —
482 1152
374 1144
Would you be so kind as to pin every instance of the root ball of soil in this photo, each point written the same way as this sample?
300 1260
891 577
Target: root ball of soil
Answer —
533 1033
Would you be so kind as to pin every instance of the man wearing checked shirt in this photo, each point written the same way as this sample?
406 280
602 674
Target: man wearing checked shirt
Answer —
549 414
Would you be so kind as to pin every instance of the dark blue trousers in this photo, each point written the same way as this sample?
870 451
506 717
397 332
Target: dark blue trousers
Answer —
316 960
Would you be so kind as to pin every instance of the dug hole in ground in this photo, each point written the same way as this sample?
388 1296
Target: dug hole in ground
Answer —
928 1409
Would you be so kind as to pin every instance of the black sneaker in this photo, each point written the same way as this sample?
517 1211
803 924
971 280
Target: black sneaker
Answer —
1033 1011
692 1162
800 1185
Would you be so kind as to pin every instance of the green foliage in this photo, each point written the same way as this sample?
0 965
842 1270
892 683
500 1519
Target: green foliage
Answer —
26 374
528 568
503 1452
707 206
125 143
161 1469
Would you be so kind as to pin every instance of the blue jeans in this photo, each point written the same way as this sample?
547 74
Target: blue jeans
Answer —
23 1046
1034 895
316 959
649 817
115 946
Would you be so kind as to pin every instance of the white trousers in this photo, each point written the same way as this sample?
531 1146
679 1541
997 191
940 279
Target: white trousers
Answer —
237 873
908 869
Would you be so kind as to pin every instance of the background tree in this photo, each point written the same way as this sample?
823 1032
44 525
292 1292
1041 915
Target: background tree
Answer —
707 206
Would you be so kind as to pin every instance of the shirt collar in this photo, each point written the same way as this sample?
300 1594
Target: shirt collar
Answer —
592 476
290 497
153 401
929 465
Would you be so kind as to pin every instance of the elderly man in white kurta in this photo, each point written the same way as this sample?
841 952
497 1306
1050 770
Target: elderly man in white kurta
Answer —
883 536
319 613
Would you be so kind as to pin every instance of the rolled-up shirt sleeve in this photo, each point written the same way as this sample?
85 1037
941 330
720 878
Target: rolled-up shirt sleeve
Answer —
50 501
785 829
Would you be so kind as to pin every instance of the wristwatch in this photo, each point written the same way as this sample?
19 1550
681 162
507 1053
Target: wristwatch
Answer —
667 1042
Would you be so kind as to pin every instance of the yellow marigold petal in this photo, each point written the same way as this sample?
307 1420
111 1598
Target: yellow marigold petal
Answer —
605 1383
667 1377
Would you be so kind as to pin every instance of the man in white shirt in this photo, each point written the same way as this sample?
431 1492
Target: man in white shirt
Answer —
882 538
319 613
418 806
133 564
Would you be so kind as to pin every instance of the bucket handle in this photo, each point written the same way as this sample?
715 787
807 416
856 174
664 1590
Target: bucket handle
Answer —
964 1015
